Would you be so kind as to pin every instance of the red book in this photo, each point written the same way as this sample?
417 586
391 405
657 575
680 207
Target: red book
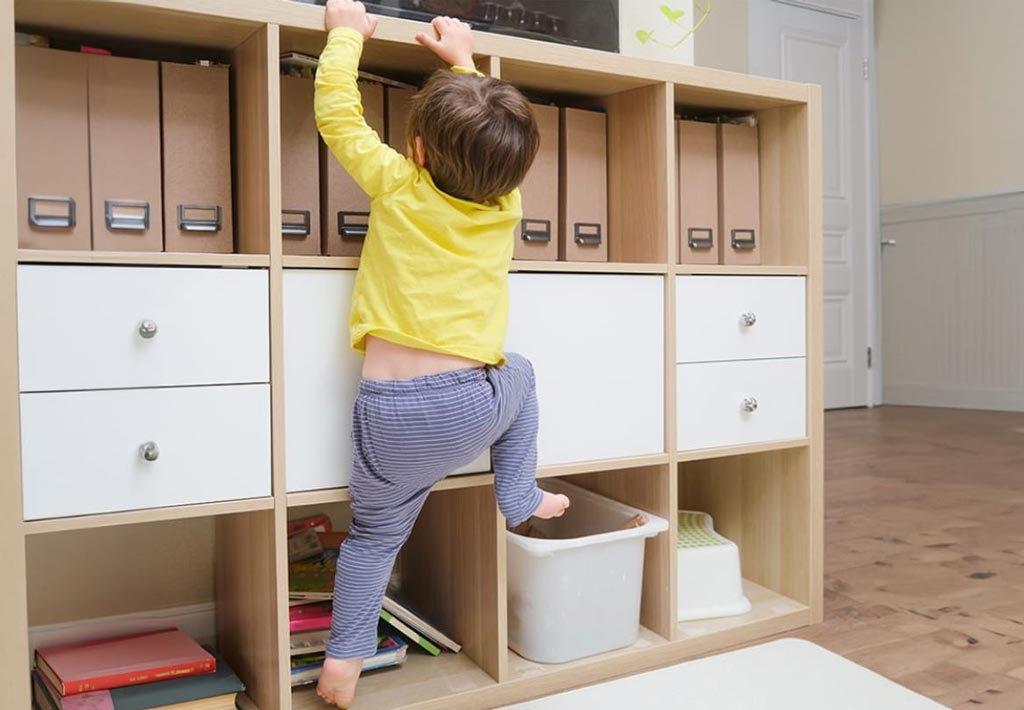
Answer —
123 660
319 523
309 617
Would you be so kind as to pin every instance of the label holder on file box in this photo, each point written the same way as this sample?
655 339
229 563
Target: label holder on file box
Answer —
587 234
536 231
192 223
744 239
128 215
700 237
348 229
296 228
45 221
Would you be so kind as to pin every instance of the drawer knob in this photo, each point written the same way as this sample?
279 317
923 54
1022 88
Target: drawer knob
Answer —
147 329
749 318
749 404
149 451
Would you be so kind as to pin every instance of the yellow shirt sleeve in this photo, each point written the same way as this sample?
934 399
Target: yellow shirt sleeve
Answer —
375 166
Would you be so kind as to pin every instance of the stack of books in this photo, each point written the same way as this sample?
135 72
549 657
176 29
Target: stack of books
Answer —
147 671
312 565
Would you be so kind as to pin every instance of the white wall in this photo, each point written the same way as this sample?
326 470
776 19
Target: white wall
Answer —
950 98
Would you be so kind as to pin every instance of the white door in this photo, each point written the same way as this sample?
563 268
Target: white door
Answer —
826 46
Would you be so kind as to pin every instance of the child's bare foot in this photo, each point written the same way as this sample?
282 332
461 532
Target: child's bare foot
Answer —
552 506
338 681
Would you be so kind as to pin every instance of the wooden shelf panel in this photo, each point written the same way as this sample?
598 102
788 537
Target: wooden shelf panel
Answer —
766 607
475 480
150 515
541 65
138 258
293 261
730 270
422 679
724 451
555 267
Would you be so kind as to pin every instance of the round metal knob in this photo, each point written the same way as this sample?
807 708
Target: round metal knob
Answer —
749 404
749 318
149 451
147 329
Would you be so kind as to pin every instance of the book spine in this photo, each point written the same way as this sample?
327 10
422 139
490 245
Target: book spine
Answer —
314 624
149 675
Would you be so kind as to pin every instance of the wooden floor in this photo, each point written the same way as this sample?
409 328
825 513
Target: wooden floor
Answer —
924 556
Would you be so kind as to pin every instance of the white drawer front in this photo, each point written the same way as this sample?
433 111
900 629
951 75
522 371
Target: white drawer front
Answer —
81 450
597 346
79 327
321 380
712 317
711 402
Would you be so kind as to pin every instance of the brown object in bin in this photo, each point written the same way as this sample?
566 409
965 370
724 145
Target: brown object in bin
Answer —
398 117
526 529
51 104
537 235
583 186
345 207
124 145
697 165
197 158
300 168
739 194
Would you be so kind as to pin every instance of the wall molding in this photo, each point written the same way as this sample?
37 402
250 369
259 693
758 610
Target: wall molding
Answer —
898 213
197 620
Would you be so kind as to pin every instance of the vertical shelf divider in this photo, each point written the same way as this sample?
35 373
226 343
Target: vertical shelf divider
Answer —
14 611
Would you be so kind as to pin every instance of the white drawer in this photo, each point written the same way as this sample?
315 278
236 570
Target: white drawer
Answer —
81 450
321 380
597 346
711 409
711 314
79 327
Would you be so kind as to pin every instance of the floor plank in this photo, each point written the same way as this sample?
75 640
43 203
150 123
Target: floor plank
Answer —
924 551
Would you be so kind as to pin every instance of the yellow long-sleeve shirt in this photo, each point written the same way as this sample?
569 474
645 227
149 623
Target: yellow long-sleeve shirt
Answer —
434 268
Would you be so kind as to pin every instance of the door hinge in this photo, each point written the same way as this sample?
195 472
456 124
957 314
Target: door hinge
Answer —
869 357
865 66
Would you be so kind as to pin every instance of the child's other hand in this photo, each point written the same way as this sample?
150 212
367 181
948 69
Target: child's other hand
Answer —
454 41
345 13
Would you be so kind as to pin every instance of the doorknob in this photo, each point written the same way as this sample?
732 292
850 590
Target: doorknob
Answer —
888 242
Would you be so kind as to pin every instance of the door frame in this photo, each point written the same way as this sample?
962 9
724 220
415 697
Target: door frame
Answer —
863 11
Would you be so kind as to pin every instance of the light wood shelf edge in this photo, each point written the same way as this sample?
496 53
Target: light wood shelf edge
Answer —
150 515
518 266
40 256
733 270
725 451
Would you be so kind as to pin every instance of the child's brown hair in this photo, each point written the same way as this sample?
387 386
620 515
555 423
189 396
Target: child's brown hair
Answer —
479 134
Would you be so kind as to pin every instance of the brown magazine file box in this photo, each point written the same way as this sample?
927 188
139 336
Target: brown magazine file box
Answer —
739 194
52 106
697 145
197 158
124 145
583 186
300 168
537 236
346 208
398 116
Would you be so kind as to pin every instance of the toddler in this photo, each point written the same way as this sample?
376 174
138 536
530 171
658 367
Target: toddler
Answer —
429 312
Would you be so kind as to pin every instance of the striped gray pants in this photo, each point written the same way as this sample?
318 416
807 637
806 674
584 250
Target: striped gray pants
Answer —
408 435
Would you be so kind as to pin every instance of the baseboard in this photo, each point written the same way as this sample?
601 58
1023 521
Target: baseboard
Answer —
198 621
1004 400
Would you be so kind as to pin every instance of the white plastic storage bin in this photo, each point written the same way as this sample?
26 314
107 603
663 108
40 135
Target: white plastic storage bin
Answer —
577 593
710 583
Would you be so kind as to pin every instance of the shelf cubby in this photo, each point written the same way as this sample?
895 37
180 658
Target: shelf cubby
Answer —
201 575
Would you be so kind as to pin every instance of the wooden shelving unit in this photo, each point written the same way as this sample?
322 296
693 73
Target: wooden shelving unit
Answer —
766 496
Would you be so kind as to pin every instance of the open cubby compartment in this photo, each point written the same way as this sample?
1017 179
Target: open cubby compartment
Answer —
151 33
450 571
787 130
650 489
639 136
209 576
763 502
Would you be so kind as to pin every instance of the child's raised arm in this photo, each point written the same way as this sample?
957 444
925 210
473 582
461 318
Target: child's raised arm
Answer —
374 165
